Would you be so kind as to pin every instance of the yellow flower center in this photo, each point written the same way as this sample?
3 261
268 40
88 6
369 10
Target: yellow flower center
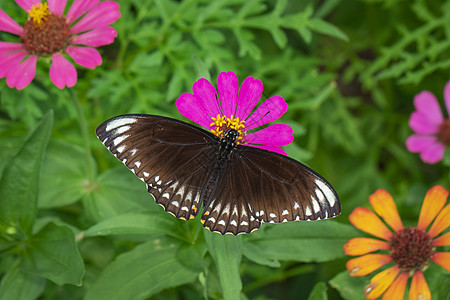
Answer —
223 123
38 13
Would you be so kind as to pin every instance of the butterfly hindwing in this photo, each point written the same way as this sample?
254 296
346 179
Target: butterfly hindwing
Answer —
171 157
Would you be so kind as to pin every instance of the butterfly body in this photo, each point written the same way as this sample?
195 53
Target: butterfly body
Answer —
239 187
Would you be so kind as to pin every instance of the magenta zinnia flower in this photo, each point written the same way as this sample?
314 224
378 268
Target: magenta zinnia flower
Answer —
432 130
232 107
50 33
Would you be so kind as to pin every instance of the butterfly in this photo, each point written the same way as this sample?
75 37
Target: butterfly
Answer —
239 187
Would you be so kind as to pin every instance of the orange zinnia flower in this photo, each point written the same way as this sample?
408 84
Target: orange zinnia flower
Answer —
409 249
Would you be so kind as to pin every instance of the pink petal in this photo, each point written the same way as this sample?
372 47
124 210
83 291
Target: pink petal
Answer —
228 87
85 56
57 6
78 8
27 4
249 95
62 72
447 97
207 96
417 143
191 107
21 76
268 148
421 124
10 61
9 25
103 14
6 47
96 37
274 135
427 104
268 111
433 153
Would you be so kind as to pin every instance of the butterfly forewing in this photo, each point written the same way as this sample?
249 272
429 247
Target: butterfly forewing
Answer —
171 157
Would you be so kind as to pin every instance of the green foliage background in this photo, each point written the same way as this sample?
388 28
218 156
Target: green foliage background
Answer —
75 223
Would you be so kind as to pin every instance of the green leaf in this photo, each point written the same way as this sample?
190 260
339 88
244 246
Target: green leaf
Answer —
319 292
257 255
115 192
324 27
351 288
18 285
19 184
53 254
64 175
226 250
152 222
141 273
316 241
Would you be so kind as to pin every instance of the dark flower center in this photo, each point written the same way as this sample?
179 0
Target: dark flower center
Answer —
411 248
444 132
45 33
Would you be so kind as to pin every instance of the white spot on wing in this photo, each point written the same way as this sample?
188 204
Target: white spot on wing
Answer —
185 208
122 129
233 222
315 204
285 212
327 191
222 222
308 211
137 163
235 211
166 195
121 148
120 139
133 152
119 122
272 215
175 203
212 219
145 174
227 209
244 223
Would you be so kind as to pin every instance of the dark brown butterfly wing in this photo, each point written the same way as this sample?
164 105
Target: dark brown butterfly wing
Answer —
172 157
183 170
263 186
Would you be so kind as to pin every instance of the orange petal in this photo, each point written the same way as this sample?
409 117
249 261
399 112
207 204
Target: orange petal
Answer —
361 245
380 282
419 287
366 264
441 223
434 201
443 240
397 288
442 259
367 221
384 205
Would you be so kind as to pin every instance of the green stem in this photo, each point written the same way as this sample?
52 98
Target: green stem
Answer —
85 136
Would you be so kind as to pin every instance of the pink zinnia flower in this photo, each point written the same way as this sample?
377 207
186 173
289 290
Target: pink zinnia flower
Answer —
432 130
50 33
232 107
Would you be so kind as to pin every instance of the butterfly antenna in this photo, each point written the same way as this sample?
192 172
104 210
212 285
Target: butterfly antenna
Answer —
262 117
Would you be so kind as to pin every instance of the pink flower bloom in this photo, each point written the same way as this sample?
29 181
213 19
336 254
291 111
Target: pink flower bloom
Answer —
432 130
232 108
49 32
